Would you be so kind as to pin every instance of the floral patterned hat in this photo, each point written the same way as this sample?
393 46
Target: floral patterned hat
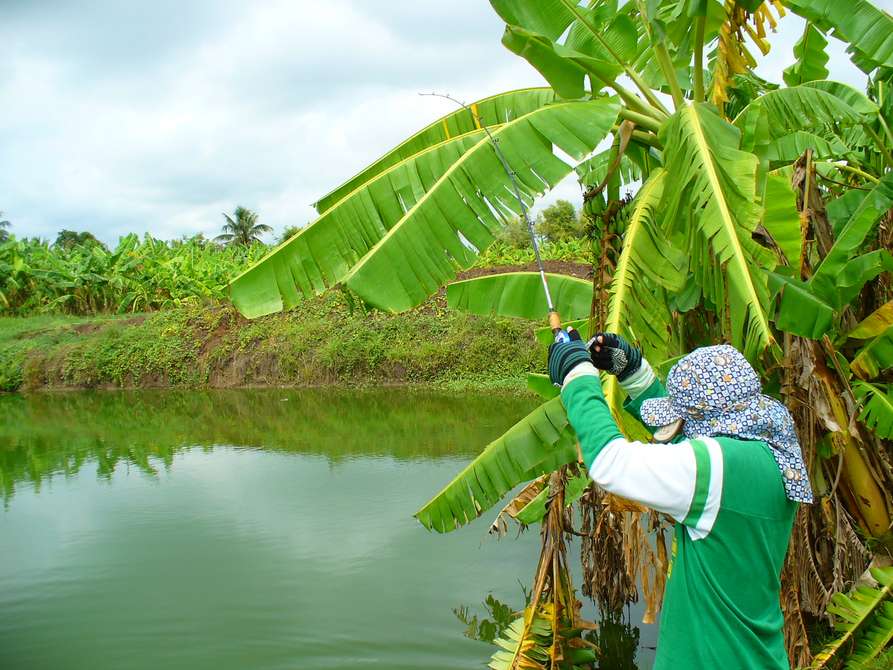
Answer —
715 391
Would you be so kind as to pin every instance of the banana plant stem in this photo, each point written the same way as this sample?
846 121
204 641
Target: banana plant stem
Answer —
647 138
640 119
634 101
851 169
663 58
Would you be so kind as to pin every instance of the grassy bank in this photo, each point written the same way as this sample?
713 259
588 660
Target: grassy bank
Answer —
324 342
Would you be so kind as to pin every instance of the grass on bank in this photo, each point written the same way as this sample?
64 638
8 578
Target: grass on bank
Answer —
324 342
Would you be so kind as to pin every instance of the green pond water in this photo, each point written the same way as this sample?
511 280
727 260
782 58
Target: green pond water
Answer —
246 530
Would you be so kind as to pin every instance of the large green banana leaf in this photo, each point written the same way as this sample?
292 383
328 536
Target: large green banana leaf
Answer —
599 40
877 412
788 148
811 106
647 266
827 277
800 311
875 356
520 294
781 218
712 205
549 18
460 213
867 29
321 254
541 442
495 110
811 58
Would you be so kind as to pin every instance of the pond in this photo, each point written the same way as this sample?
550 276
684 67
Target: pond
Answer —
245 529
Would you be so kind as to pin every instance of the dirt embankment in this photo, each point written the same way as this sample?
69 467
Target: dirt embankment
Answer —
324 342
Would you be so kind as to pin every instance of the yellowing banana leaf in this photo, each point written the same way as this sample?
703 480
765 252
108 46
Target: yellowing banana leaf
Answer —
811 58
714 193
874 324
321 254
534 511
541 442
877 412
494 110
520 294
875 356
867 29
460 213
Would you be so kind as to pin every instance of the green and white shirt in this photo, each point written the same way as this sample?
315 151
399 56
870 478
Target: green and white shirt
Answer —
733 523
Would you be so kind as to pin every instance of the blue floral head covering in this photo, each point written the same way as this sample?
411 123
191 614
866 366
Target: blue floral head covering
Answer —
715 391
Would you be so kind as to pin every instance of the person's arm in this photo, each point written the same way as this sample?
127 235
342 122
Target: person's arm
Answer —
611 353
683 480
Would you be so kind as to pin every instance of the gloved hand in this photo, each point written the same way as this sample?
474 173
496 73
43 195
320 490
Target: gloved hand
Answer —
565 356
614 355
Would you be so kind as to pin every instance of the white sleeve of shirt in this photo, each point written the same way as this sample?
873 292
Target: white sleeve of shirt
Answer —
638 382
683 480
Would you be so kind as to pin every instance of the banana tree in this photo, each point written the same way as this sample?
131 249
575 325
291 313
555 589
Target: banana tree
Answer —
725 239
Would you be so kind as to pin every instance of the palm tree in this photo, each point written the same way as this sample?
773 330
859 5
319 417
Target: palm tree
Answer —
243 229
4 235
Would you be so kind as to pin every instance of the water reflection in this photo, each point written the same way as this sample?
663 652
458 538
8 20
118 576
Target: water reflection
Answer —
41 435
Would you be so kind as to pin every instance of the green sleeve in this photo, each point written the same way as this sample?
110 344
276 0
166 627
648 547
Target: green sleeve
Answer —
634 406
590 416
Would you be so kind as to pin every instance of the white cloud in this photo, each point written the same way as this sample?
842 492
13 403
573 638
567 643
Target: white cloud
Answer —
134 117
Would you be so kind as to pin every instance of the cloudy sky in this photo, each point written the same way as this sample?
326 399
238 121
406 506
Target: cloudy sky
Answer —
121 116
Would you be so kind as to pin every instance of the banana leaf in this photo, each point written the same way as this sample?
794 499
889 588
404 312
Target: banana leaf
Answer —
494 110
712 206
788 148
800 311
541 442
520 294
853 613
811 58
867 29
875 357
811 106
459 215
534 511
781 218
827 275
874 324
321 254
877 412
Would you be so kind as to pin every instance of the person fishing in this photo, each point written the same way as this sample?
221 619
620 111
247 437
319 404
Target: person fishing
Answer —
731 480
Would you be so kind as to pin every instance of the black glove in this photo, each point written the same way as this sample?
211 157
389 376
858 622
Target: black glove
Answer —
565 356
614 355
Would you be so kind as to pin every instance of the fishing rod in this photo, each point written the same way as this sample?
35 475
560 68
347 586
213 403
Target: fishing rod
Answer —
554 318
